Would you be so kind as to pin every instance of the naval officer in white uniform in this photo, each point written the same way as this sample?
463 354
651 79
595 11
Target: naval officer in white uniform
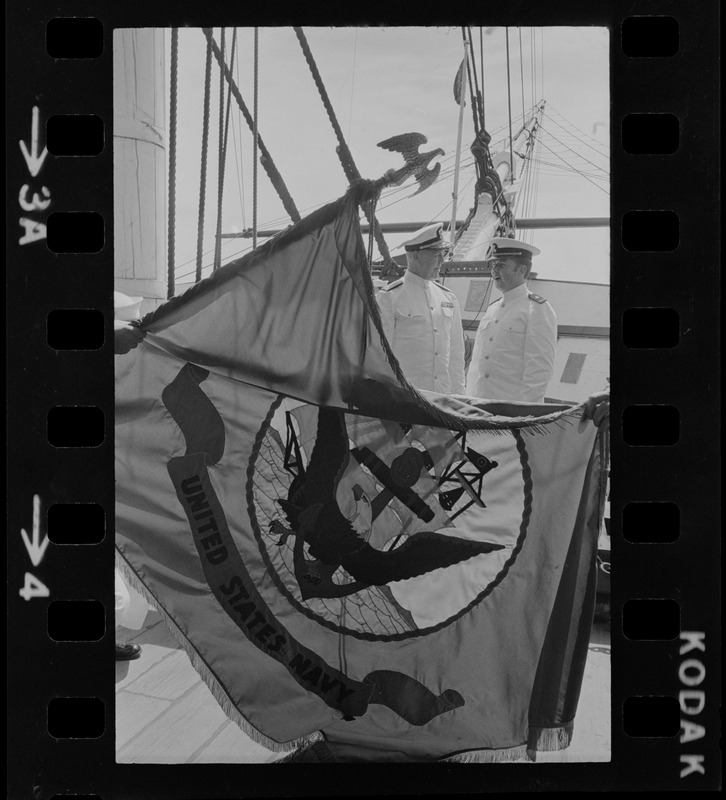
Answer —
421 318
514 348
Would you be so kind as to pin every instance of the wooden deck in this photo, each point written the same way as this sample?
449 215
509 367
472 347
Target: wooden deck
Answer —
165 714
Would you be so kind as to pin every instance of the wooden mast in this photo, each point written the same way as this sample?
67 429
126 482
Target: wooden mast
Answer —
139 151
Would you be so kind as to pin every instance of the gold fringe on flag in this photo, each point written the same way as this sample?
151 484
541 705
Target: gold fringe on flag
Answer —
229 708
502 756
550 739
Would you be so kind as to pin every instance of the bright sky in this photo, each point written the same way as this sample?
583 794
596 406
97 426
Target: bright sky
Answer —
387 81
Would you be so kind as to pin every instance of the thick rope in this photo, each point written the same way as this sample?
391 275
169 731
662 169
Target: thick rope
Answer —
471 68
476 92
481 64
220 165
227 115
542 63
171 226
346 158
254 137
205 148
265 158
344 154
532 65
371 237
521 71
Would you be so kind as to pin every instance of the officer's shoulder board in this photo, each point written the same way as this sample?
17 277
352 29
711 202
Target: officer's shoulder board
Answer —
393 285
537 298
445 288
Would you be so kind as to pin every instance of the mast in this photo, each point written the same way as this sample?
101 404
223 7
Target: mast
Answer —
139 150
520 143
462 103
495 190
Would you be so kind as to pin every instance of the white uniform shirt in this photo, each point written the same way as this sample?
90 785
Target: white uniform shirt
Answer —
514 348
422 322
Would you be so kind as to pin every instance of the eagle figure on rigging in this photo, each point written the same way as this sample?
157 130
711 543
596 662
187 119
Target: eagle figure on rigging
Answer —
416 163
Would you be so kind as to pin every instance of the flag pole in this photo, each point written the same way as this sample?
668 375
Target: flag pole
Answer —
462 103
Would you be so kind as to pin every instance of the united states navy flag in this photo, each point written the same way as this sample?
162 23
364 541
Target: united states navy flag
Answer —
411 575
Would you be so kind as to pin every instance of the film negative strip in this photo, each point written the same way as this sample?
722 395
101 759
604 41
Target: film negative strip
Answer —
66 731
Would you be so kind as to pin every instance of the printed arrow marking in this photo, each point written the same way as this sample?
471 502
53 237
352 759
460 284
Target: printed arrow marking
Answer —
36 547
32 159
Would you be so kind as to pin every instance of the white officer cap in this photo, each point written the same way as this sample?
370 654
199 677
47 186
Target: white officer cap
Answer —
431 237
503 246
125 307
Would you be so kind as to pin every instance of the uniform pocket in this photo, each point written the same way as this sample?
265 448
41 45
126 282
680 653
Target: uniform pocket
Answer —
447 317
404 312
410 323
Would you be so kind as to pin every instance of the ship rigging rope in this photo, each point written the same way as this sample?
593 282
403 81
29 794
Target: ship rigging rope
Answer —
352 82
528 193
592 163
265 157
521 67
579 172
391 194
205 148
223 138
239 165
533 180
282 220
371 236
533 65
474 92
254 136
538 173
580 136
346 158
541 55
344 154
171 225
509 105
472 79
481 66
531 174
220 159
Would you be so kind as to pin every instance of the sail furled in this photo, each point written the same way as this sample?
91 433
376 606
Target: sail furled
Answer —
408 576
